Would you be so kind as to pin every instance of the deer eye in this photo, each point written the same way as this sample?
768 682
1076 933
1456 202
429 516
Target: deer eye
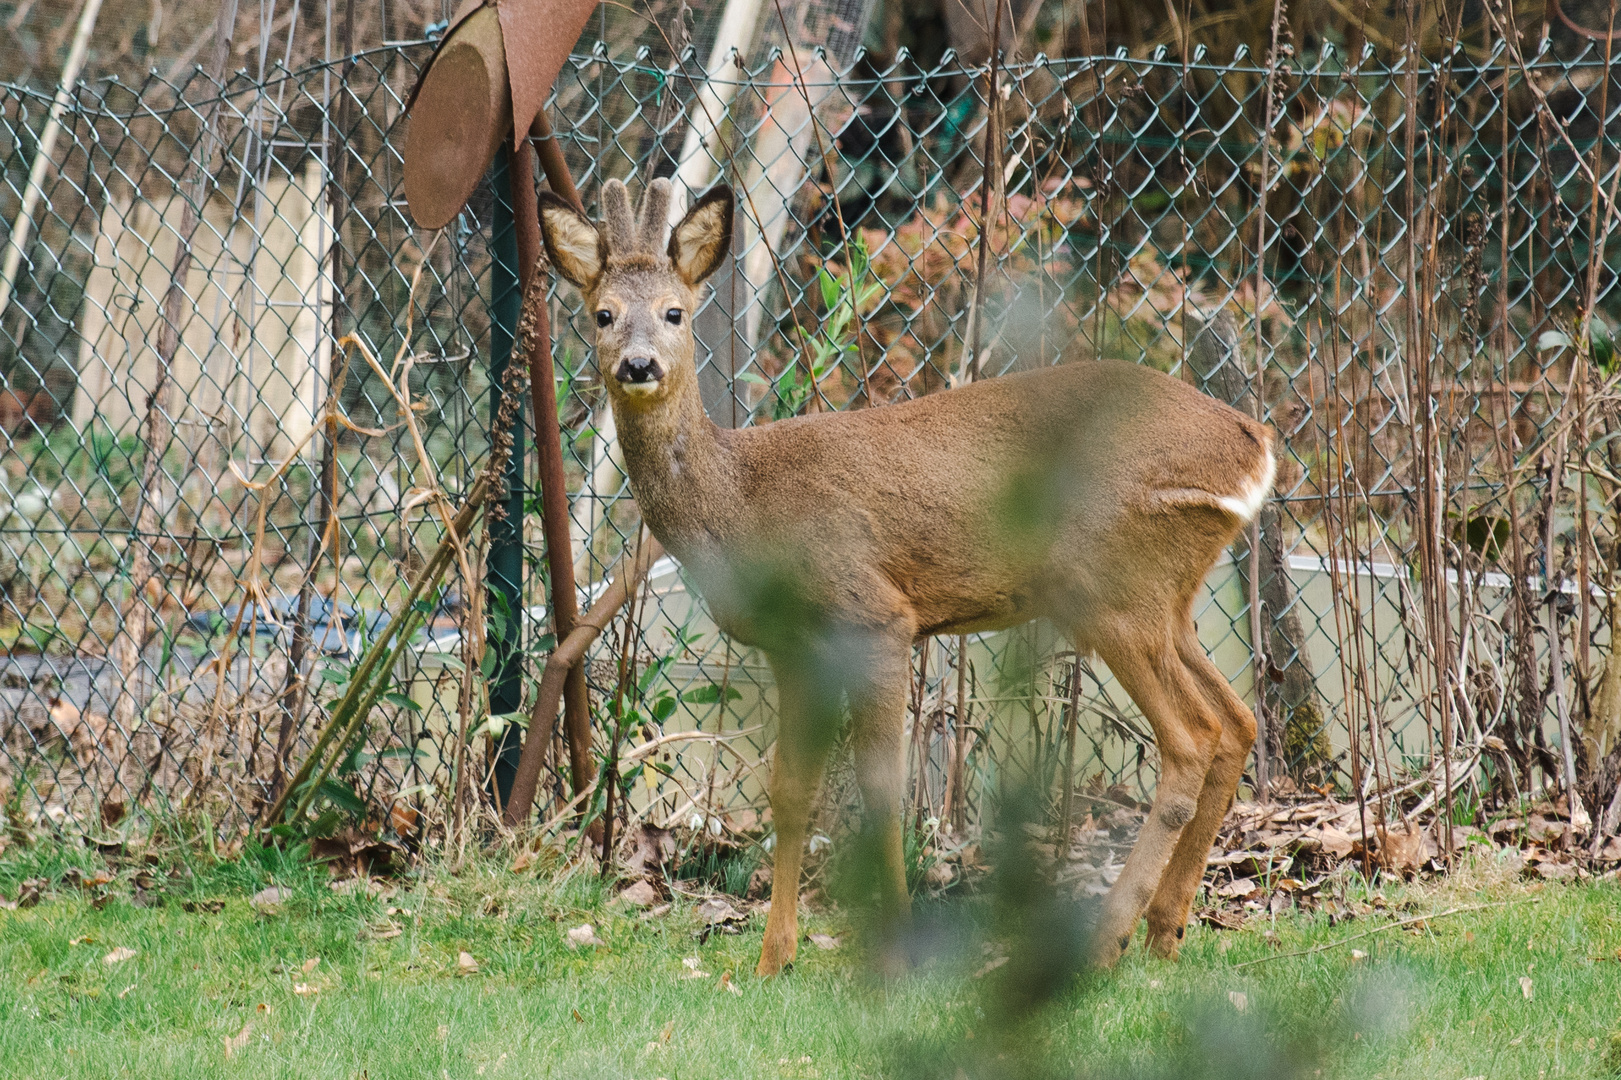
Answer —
605 318
673 316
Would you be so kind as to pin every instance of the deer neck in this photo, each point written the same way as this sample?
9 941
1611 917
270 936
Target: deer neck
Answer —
679 464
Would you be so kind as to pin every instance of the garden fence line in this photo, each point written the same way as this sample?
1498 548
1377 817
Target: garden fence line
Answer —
1441 543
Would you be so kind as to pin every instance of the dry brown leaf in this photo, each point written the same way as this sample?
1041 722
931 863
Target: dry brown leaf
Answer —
234 1043
726 983
1220 919
695 968
306 989
269 901
584 934
715 912
1549 870
1401 850
1528 989
649 851
311 964
1239 999
640 894
466 964
118 955
1546 830
524 861
990 965
1335 842
824 941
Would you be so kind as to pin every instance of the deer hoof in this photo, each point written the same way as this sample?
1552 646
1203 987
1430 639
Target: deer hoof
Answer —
774 960
1164 943
1107 949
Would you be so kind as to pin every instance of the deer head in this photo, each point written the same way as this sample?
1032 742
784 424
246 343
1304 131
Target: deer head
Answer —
642 294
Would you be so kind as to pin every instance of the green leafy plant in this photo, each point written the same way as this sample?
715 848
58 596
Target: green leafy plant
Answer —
835 339
1600 342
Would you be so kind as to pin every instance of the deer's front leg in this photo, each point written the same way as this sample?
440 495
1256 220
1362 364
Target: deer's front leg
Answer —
878 698
806 727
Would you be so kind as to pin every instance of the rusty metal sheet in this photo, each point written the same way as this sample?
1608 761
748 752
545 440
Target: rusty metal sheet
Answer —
490 75
461 114
539 35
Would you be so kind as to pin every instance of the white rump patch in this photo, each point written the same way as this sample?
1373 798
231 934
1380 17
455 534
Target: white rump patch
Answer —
1243 506
1247 503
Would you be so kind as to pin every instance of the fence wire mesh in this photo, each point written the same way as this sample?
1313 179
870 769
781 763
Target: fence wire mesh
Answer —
1407 314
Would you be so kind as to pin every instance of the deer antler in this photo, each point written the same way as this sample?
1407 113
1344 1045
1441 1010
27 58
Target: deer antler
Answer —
654 217
618 219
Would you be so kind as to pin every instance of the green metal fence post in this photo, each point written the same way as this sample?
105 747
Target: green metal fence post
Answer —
503 572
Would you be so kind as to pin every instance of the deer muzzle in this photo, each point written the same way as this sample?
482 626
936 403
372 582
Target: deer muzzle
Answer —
639 374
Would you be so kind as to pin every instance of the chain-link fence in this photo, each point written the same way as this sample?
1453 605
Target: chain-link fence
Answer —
189 569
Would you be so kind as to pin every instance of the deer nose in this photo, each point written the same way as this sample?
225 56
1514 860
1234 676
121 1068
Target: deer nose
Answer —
637 369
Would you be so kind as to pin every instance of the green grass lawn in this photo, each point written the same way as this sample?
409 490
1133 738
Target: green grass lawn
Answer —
333 985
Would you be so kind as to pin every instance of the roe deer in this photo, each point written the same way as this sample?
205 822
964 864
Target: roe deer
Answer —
1095 493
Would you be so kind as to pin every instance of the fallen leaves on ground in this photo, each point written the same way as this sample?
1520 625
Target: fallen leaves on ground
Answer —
717 916
235 1043
825 941
370 886
465 964
639 894
119 955
1271 857
355 853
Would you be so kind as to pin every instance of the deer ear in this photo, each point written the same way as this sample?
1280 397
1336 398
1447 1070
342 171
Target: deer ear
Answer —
574 244
704 236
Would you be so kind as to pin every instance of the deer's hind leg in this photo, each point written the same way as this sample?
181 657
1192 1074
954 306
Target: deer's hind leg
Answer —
1187 731
1168 911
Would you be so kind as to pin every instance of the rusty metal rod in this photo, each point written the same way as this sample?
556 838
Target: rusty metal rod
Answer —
565 660
563 600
